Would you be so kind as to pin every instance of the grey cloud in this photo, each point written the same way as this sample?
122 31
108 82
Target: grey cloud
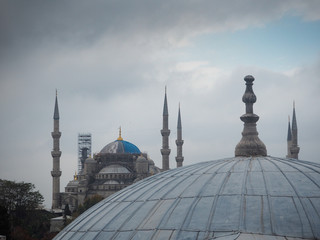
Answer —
31 24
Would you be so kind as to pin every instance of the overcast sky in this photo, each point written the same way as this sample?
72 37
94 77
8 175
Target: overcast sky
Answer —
111 60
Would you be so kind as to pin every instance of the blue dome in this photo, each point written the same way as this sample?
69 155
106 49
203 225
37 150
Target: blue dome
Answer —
120 146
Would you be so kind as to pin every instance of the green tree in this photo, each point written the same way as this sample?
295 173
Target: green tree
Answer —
19 201
19 196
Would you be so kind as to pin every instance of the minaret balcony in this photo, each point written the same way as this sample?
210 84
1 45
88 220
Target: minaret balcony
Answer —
56 173
165 151
56 134
179 142
294 150
179 159
165 132
56 154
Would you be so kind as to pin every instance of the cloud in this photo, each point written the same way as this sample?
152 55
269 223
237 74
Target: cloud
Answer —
73 24
110 61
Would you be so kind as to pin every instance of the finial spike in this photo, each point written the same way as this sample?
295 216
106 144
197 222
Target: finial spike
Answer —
120 138
250 144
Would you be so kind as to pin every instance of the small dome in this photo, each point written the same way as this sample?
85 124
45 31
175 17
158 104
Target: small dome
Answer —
114 169
90 160
142 165
120 146
151 162
238 198
73 183
142 159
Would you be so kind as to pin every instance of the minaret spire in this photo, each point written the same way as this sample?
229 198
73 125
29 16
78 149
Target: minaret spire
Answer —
289 139
250 144
179 141
56 153
56 109
165 132
294 149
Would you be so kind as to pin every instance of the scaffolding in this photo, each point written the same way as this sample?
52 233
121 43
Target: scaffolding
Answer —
84 148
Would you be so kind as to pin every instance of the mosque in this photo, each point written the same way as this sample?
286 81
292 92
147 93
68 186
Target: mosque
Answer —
249 196
118 165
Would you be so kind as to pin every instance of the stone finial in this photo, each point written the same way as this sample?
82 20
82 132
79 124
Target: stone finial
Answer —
250 144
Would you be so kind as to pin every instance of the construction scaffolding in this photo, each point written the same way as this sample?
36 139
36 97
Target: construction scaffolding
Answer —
84 148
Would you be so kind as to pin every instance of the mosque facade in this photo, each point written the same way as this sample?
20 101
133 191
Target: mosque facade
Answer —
118 165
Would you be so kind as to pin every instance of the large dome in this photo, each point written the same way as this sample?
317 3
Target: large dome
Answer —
238 196
120 146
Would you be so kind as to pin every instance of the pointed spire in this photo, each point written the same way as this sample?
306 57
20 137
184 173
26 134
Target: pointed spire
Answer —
56 108
250 144
179 119
165 105
289 137
294 120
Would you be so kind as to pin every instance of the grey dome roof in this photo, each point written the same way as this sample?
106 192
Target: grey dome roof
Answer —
90 160
114 168
239 197
73 183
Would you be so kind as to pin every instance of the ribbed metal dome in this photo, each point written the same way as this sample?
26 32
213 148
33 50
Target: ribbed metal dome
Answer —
120 146
238 197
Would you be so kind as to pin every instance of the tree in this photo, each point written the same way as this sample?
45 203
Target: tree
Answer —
19 196
19 201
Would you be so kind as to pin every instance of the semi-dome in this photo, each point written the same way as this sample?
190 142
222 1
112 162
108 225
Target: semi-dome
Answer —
240 195
120 146
114 168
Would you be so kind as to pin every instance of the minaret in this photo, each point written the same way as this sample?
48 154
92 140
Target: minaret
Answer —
56 153
179 141
289 140
250 144
294 145
165 132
